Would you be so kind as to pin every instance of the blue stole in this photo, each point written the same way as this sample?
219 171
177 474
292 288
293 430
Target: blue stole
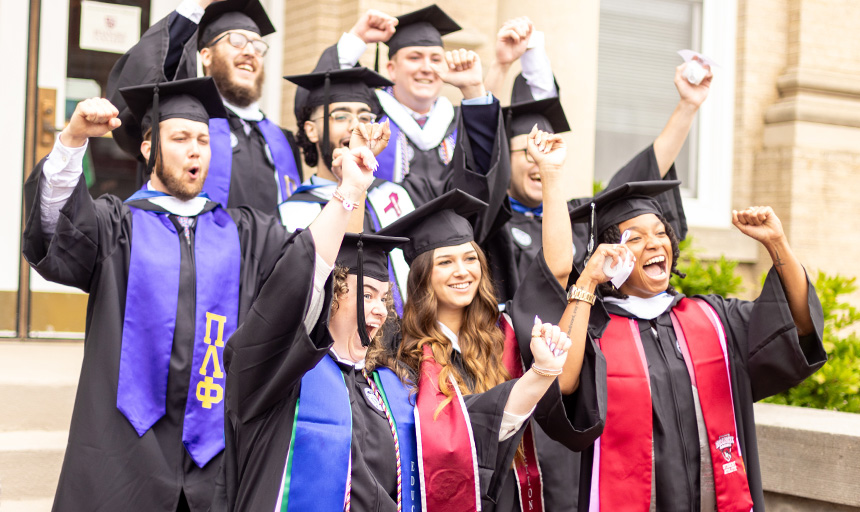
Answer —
388 158
520 207
150 320
220 167
319 460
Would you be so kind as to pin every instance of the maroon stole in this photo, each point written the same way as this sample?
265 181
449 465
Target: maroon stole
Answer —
447 460
622 455
529 478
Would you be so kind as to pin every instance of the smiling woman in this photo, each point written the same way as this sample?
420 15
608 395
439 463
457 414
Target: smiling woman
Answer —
457 349
682 373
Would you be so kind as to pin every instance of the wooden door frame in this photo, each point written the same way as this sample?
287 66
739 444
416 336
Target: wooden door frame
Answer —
31 117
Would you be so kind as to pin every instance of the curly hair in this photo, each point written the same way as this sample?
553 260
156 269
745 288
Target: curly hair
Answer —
480 338
309 148
612 235
377 354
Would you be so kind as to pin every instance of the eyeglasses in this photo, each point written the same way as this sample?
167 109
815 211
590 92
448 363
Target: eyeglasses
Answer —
240 41
347 117
525 151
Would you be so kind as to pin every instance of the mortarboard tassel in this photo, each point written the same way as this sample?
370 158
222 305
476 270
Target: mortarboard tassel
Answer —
591 228
509 117
359 292
376 59
326 145
154 146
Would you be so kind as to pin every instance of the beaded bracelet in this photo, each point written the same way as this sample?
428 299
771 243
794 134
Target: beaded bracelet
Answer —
546 373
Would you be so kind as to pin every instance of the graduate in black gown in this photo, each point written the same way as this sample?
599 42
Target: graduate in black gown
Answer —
475 167
452 319
515 245
314 419
255 162
683 373
170 274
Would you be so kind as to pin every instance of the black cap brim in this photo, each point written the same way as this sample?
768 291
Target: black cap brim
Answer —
437 223
220 17
548 114
375 249
612 207
352 84
196 99
424 27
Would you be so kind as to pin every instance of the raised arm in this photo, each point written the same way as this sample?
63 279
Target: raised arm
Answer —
511 43
574 320
549 152
761 223
668 144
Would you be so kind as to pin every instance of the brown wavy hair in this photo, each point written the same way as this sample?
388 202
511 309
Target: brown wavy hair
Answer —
376 353
480 338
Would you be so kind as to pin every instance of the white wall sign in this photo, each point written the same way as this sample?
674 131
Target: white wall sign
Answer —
109 27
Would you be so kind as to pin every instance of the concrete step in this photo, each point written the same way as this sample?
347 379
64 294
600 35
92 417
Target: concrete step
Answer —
37 392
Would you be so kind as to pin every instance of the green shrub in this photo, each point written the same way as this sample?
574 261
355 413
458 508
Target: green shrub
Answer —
702 278
836 385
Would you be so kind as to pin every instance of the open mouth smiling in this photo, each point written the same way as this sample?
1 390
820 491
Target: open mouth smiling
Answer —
655 267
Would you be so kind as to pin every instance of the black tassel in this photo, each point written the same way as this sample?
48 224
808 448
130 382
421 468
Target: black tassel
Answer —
154 146
326 145
359 292
376 59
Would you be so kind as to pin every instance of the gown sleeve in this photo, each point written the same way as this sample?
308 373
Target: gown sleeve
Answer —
87 232
271 351
574 420
763 334
478 167
166 52
643 167
494 457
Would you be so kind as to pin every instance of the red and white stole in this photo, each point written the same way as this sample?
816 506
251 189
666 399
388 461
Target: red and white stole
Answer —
529 477
447 459
621 474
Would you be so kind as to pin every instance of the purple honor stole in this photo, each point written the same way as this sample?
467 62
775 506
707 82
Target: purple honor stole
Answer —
388 158
322 440
150 320
220 167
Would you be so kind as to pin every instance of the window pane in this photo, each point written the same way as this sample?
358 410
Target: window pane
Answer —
639 40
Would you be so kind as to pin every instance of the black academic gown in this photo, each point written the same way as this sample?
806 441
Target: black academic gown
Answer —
266 359
766 358
106 465
166 52
477 168
512 248
564 427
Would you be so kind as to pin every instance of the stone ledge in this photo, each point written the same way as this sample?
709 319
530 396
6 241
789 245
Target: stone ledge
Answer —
809 453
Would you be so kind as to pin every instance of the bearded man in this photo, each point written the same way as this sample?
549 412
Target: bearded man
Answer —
255 162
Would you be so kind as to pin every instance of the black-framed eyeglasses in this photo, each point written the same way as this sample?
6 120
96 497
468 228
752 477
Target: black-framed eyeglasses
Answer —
347 117
525 151
240 41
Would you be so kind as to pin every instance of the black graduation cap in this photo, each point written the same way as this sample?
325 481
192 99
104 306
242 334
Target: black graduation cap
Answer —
327 87
424 27
525 112
366 255
226 15
438 223
614 206
547 114
196 99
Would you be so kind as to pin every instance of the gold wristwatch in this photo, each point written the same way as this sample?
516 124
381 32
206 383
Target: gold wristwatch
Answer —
574 293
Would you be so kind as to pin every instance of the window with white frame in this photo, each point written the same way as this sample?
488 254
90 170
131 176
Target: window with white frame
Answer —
637 56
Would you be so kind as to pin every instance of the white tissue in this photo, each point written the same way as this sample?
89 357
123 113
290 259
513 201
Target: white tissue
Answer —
694 72
619 273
